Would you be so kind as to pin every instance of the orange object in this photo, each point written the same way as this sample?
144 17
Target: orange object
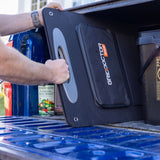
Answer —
8 92
104 50
7 98
10 44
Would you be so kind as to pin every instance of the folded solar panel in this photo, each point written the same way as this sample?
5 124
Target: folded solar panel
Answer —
98 90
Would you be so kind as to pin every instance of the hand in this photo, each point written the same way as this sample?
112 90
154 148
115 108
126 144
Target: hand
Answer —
49 5
59 70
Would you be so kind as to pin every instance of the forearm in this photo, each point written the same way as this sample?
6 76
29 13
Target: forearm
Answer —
17 68
15 23
11 24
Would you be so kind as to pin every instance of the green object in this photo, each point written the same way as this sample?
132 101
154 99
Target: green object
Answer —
46 100
2 109
46 107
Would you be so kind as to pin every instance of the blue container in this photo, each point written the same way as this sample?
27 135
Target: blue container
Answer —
32 45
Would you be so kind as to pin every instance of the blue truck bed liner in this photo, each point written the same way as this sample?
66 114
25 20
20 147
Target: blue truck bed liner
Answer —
32 138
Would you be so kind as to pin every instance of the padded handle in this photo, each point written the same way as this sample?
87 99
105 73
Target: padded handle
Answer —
62 55
61 51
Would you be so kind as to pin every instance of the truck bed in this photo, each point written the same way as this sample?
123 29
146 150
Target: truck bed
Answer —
34 137
30 138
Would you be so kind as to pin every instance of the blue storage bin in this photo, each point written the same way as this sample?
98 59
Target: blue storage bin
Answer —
31 44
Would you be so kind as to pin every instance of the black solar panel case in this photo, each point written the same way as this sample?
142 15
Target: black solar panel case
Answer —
103 68
86 102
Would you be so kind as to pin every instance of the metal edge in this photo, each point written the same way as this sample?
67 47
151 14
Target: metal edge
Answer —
106 5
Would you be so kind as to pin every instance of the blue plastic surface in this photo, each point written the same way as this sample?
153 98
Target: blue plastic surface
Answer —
56 140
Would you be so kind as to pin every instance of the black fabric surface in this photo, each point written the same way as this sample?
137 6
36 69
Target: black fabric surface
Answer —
104 72
86 110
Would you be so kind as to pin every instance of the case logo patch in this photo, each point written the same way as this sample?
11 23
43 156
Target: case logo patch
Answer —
103 53
104 50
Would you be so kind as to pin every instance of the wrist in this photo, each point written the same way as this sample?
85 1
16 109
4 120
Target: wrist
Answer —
49 72
40 17
35 15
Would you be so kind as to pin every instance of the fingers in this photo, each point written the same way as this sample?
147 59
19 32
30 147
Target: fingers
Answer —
54 5
63 71
59 70
49 5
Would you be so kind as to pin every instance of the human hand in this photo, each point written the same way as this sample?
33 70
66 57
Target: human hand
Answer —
59 70
49 5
